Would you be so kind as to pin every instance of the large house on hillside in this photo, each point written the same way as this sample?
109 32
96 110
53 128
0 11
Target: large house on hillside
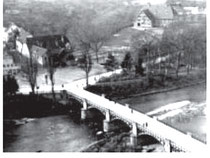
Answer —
154 16
163 15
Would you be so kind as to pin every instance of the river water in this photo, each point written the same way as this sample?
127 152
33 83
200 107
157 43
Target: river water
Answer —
61 134
150 102
196 125
54 133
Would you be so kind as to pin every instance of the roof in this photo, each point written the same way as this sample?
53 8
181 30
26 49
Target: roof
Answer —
178 10
38 50
54 41
23 35
57 51
159 12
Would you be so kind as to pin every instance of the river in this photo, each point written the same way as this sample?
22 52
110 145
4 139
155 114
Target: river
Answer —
195 125
53 133
61 134
150 102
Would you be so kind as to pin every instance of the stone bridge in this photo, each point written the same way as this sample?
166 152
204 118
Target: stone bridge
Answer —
170 138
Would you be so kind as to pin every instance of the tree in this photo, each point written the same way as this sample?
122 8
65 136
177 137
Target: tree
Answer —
10 85
99 33
172 44
138 67
144 44
85 28
85 62
183 45
31 68
31 71
51 68
127 63
194 46
111 63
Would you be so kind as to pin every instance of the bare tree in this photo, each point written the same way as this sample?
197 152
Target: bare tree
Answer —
85 62
183 44
31 68
144 43
99 33
51 68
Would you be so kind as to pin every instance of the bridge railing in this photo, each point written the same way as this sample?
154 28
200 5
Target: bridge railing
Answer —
154 126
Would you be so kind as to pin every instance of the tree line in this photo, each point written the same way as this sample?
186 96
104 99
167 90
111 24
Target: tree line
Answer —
181 45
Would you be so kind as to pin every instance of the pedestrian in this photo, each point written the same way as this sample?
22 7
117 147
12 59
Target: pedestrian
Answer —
46 79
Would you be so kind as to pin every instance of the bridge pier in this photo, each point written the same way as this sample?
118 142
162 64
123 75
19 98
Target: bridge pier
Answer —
106 122
64 95
167 146
134 134
84 110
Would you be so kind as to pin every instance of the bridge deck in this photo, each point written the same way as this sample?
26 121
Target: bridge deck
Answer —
157 128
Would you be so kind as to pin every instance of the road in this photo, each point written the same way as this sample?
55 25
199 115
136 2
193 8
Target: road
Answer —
63 76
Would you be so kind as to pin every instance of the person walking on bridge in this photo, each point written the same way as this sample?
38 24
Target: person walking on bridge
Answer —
46 79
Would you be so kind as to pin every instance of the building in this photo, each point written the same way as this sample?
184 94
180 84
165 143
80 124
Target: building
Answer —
193 14
9 67
38 54
53 46
154 16
51 41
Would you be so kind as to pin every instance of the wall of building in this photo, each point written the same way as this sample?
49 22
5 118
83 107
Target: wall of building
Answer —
142 21
9 67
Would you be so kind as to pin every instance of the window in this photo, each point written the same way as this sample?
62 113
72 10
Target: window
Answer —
7 65
139 24
11 65
3 65
14 72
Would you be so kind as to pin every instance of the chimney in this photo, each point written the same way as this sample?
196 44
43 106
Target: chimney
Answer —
148 4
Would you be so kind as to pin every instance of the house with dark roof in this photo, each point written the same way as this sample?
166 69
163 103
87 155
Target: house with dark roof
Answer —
154 16
48 42
50 47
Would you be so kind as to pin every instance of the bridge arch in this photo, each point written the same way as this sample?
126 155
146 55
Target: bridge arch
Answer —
77 100
74 104
147 139
94 112
120 125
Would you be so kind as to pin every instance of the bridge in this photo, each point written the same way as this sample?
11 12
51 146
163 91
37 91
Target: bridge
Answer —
170 138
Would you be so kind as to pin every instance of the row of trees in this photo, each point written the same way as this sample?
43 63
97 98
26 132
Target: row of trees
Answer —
86 25
88 21
88 34
184 47
180 45
10 85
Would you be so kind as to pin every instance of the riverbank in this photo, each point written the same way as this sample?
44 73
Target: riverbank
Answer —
190 119
35 106
123 87
48 134
120 143
28 118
